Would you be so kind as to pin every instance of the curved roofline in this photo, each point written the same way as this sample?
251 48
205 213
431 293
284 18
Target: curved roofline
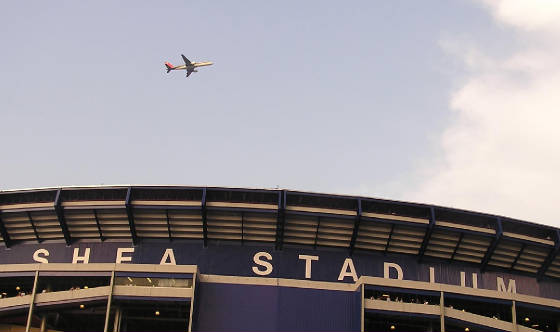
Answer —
350 196
274 215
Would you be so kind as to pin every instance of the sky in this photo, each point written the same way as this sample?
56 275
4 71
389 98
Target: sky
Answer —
453 103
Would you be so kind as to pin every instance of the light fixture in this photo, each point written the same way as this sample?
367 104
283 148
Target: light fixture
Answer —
17 288
129 279
535 325
527 319
157 312
86 287
392 327
82 306
149 280
467 329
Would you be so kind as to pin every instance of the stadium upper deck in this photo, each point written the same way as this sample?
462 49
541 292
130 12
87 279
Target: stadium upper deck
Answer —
281 218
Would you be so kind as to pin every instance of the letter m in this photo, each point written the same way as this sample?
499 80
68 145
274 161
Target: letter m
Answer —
502 286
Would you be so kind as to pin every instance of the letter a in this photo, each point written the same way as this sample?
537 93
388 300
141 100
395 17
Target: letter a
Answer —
168 255
348 263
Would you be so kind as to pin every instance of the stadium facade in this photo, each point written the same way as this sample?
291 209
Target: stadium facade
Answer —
145 258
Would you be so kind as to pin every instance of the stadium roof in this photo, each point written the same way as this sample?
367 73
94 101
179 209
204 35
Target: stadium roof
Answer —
279 217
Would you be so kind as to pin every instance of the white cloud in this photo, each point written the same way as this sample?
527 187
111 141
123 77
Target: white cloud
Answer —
501 154
526 14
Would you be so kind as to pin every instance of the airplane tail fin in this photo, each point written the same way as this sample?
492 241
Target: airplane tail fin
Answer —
169 67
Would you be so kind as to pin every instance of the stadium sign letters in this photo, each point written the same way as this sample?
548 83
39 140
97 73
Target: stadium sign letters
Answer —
262 264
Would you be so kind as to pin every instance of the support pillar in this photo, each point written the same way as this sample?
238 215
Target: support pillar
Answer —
118 320
191 311
514 317
430 327
30 313
442 313
362 328
109 299
43 323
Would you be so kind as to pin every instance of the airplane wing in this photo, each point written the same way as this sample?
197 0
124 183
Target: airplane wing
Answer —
189 72
187 62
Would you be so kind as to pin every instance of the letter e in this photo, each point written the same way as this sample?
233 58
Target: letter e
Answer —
120 258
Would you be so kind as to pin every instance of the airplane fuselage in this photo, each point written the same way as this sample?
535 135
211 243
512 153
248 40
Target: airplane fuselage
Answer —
193 66
189 66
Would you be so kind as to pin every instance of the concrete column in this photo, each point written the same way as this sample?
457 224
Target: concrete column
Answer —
430 327
195 274
363 310
118 319
442 313
43 323
514 316
109 299
30 313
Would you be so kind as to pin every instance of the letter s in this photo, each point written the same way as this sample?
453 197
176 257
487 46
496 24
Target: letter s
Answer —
258 260
40 259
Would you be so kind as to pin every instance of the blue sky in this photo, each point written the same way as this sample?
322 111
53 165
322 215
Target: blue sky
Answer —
351 98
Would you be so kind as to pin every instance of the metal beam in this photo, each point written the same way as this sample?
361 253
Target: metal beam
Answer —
98 225
4 233
242 230
33 226
457 246
357 222
130 215
317 232
280 219
428 235
60 216
523 245
203 215
493 245
551 257
168 224
389 238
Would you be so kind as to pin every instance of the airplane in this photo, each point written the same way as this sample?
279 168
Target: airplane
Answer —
188 66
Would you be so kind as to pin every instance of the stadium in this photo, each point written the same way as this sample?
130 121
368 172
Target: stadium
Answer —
169 258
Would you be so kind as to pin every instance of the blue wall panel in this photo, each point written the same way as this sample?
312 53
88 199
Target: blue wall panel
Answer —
227 307
318 310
